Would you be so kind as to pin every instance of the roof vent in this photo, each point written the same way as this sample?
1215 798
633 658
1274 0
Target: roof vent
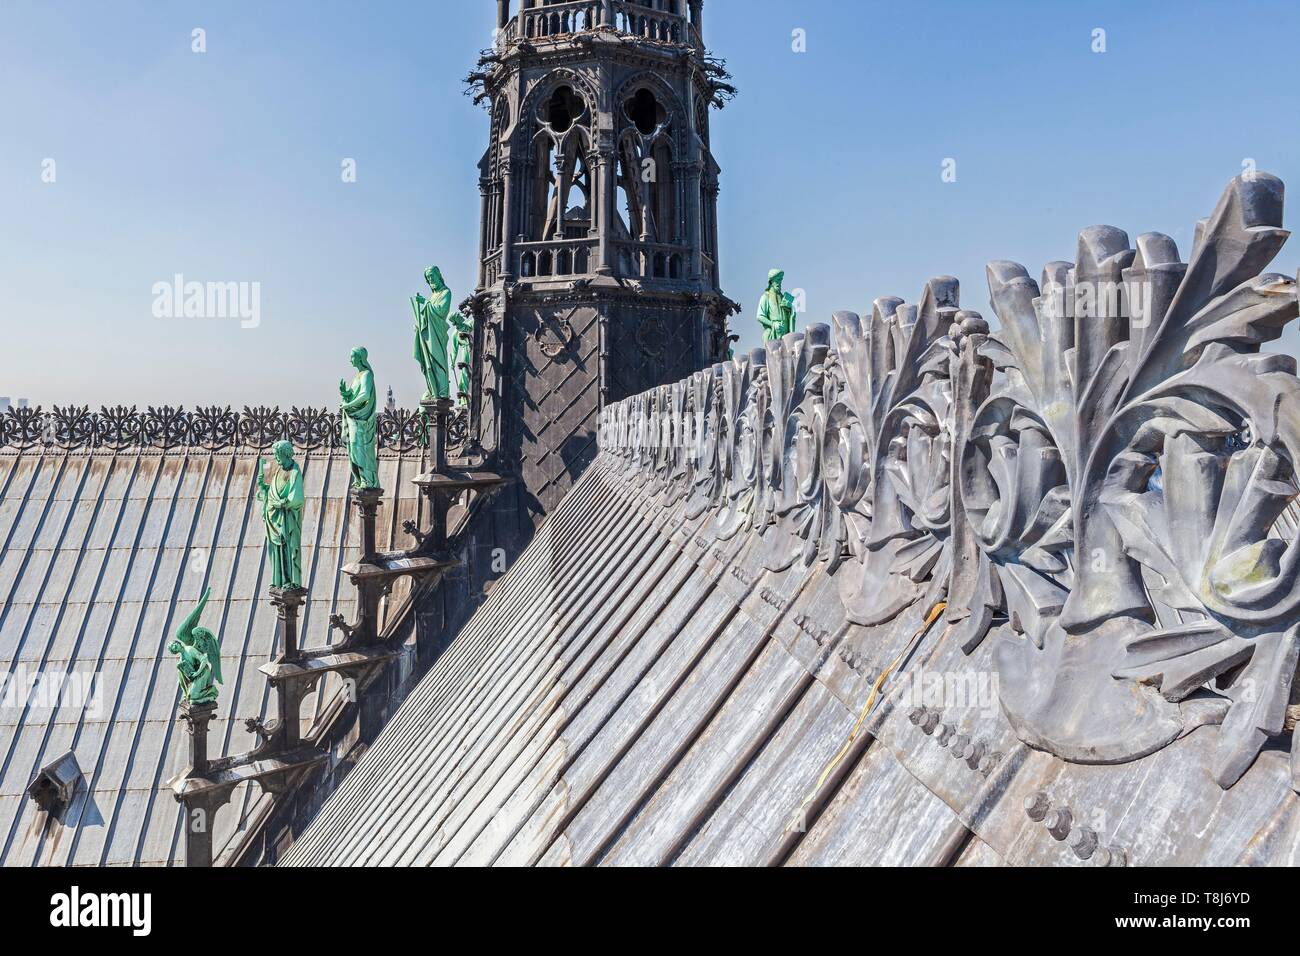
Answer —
56 784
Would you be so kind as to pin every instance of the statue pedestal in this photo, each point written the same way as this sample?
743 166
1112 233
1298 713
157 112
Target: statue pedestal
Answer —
287 601
437 412
197 717
198 815
367 501
442 484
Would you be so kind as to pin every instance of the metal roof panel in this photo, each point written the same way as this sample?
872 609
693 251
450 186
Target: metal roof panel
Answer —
102 552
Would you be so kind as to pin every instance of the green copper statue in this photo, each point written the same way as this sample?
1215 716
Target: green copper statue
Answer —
282 503
460 354
359 412
776 308
431 328
199 666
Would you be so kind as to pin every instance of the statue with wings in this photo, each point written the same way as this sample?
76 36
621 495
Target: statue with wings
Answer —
199 666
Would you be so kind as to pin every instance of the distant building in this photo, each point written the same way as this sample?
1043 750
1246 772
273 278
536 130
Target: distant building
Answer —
6 403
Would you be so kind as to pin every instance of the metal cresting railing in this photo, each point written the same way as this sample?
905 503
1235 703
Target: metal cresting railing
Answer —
1103 488
213 428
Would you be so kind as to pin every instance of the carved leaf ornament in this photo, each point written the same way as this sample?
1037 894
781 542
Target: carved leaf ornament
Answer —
1106 484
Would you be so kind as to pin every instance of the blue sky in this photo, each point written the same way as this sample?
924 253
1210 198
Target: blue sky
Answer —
226 165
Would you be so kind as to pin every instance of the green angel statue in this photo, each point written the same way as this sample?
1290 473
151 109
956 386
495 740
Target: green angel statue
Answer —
776 308
460 354
282 505
359 412
199 666
431 330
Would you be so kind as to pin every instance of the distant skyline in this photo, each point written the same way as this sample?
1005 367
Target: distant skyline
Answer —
132 160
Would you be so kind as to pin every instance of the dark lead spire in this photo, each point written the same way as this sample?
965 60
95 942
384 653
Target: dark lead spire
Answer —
598 273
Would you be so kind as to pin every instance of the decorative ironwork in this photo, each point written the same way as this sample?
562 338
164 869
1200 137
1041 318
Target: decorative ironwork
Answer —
166 427
314 428
213 428
23 427
458 427
73 426
402 430
261 427
652 336
561 337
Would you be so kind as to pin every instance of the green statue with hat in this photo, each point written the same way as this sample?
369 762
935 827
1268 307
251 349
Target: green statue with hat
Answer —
776 308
